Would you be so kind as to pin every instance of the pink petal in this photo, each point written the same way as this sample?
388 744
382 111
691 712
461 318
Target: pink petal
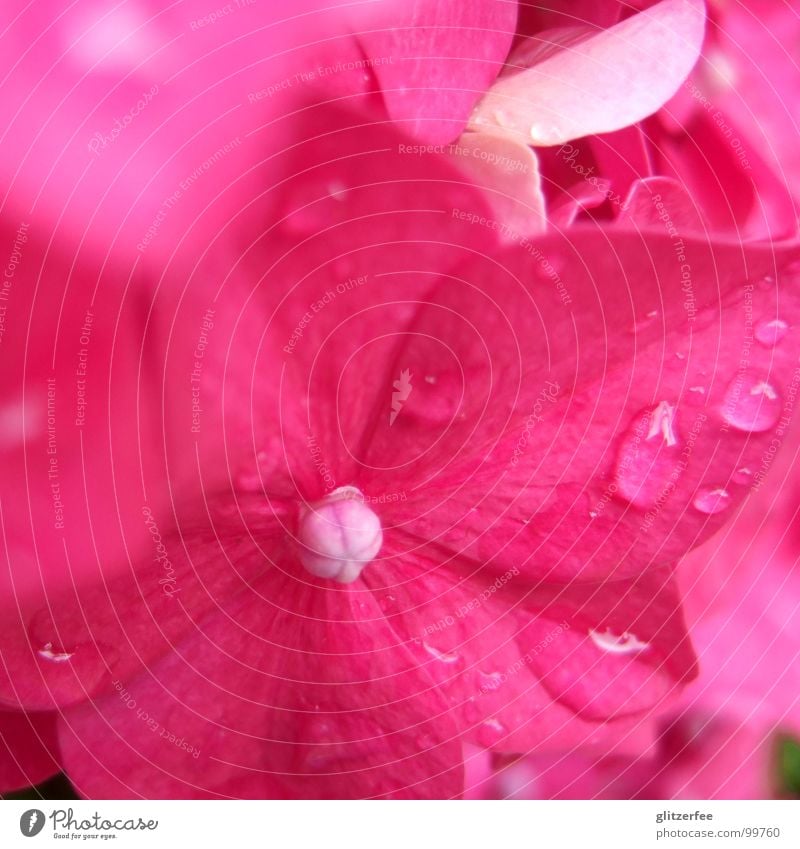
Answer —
248 412
562 453
83 639
78 416
293 690
535 17
605 82
623 157
661 202
475 645
435 59
309 295
129 125
86 454
28 743
736 189
625 649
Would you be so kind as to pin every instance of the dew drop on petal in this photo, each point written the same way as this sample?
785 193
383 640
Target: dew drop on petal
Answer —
434 401
72 669
441 656
490 681
543 133
491 733
751 403
646 466
472 713
337 190
696 395
426 742
769 333
710 501
320 754
743 476
645 322
388 604
625 643
19 423
54 655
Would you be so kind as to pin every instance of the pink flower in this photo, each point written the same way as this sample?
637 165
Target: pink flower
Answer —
529 498
378 475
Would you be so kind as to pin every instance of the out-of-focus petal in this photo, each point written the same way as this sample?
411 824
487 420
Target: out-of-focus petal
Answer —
28 749
435 58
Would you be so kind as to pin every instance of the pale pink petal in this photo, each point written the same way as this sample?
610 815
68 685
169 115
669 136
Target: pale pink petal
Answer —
508 172
604 82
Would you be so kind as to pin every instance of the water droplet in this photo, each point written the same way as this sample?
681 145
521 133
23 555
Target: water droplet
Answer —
338 191
743 476
490 681
710 501
593 514
646 460
680 355
766 282
307 212
322 747
696 396
751 403
769 333
625 643
425 742
543 132
501 118
662 423
74 665
48 652
491 733
254 477
388 604
443 657
645 322
433 401
19 422
472 713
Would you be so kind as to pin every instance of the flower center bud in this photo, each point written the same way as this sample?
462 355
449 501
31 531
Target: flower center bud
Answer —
338 535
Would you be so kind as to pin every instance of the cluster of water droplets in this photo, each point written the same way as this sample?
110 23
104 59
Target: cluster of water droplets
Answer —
649 451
